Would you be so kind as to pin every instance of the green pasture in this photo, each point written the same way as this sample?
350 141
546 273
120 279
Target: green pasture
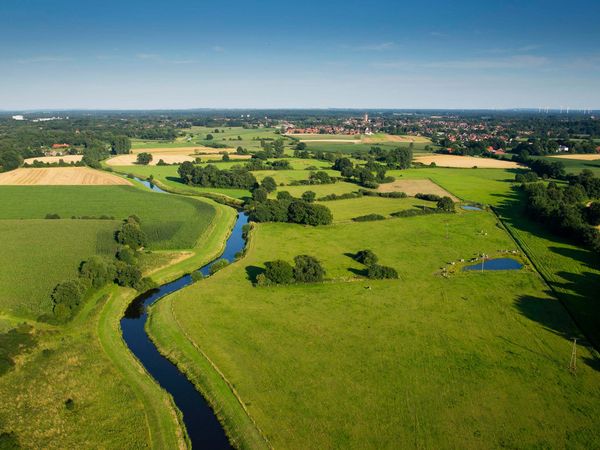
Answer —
424 360
341 187
345 210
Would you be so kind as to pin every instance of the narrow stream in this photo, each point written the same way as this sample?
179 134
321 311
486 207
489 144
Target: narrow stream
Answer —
202 426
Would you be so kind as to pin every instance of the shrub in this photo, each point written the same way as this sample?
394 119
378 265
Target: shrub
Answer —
429 197
279 272
218 265
445 204
368 218
196 276
131 234
52 216
126 255
144 158
99 271
145 284
307 269
375 271
268 183
366 257
161 162
66 297
309 196
259 194
127 274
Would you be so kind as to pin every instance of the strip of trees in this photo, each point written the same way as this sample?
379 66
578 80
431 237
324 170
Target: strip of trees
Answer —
211 176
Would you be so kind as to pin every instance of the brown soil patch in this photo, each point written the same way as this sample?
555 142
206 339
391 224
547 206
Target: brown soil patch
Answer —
412 187
582 157
55 159
67 176
465 161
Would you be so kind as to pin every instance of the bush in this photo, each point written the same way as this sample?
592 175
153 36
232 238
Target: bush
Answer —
368 218
66 297
126 255
52 216
428 197
279 272
445 204
144 158
127 274
218 265
145 284
307 269
378 272
366 257
196 276
268 183
99 271
131 234
309 196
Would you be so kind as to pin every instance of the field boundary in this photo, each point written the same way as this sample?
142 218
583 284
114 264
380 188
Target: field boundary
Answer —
545 279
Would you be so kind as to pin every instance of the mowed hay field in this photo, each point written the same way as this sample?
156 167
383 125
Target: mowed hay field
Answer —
55 159
465 161
60 176
422 361
413 187
38 254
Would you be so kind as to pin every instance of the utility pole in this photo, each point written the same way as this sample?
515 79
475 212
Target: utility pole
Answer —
573 363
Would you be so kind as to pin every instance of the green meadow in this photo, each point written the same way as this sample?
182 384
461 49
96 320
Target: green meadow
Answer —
346 210
424 360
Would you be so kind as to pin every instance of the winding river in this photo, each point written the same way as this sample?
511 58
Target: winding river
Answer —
202 426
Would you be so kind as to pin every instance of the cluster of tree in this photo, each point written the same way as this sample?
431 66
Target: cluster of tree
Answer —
397 158
527 177
588 182
306 269
289 209
362 175
542 167
60 163
259 164
211 176
540 147
562 210
374 270
120 145
318 177
270 149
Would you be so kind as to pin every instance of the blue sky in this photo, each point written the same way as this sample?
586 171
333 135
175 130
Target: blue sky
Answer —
377 54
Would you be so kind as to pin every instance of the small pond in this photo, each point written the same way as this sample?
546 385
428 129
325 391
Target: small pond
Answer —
471 208
496 264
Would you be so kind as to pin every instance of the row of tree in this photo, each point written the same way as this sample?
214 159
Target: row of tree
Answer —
211 176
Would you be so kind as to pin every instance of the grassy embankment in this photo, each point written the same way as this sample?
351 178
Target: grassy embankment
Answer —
423 360
78 385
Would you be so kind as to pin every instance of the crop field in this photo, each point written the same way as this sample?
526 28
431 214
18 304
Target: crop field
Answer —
346 210
38 254
179 228
65 176
413 187
54 159
426 360
465 161
345 147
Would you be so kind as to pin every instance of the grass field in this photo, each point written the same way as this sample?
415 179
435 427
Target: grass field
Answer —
341 187
38 254
425 361
178 229
60 176
346 210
